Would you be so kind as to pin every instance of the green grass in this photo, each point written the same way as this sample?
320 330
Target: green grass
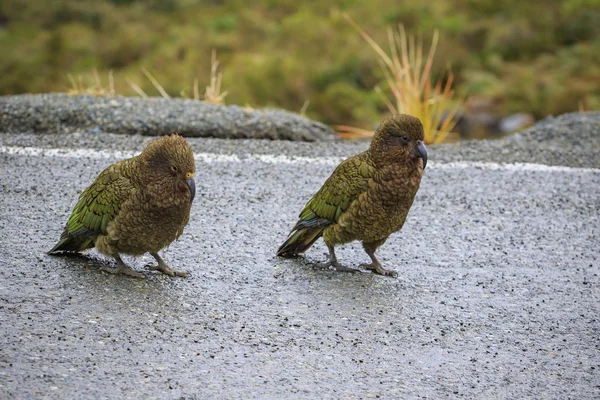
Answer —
536 56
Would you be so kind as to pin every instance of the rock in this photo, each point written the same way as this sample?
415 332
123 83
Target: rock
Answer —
571 139
50 113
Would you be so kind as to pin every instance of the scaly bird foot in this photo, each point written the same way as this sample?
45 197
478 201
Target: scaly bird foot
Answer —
165 269
123 269
342 268
378 269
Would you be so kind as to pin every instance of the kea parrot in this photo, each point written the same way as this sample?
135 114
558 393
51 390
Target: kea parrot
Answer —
367 197
135 206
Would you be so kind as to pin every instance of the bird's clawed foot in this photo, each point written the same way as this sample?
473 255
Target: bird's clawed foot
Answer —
333 262
324 265
124 269
342 268
378 269
164 268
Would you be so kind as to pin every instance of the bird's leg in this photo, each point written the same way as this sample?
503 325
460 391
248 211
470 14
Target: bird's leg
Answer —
375 265
164 268
122 268
333 262
332 259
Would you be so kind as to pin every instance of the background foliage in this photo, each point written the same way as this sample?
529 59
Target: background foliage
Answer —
536 56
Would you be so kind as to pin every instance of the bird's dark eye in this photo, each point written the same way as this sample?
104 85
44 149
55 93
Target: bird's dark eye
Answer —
401 140
173 168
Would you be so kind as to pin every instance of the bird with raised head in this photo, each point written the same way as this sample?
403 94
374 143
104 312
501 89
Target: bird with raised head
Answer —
135 206
367 197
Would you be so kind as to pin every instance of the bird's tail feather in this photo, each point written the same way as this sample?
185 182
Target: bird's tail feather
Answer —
72 244
299 241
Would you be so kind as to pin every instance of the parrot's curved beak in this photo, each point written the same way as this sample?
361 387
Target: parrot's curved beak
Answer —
422 152
192 185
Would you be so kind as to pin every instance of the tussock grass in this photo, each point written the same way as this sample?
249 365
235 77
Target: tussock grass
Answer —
407 71
81 87
212 93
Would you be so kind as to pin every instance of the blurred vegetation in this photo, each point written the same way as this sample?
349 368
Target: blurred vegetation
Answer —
536 56
406 67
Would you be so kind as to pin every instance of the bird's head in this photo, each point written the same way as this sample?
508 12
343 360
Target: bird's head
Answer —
170 160
399 140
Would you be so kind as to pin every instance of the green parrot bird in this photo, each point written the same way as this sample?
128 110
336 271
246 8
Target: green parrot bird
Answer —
367 197
135 206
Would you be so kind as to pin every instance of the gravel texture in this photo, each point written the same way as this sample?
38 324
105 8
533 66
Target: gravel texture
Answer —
498 295
153 116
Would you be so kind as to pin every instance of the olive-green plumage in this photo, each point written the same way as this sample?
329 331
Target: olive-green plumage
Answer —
135 206
367 197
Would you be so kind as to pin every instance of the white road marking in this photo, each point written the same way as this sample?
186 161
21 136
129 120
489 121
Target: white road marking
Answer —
211 158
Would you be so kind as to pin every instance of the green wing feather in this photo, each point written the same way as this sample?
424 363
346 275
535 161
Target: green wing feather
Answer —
349 180
98 205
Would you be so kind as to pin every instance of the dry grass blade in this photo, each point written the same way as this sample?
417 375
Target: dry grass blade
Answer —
157 85
74 89
408 76
213 93
97 78
137 89
304 107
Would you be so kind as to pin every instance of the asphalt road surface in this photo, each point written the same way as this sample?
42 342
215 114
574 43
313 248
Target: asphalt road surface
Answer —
497 297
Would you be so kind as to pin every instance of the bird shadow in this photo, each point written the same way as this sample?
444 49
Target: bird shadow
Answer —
309 266
92 262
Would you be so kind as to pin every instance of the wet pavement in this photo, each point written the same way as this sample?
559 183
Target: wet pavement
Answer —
498 294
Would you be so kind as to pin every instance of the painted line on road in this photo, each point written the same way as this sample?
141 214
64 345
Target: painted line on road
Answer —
211 158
